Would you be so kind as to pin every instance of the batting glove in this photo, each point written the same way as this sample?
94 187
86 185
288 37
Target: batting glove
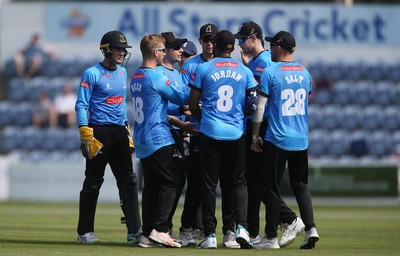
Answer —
131 144
90 146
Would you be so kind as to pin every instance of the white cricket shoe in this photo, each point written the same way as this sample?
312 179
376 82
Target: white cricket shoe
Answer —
186 237
146 243
255 240
243 238
163 238
209 242
311 239
229 240
88 238
290 231
267 243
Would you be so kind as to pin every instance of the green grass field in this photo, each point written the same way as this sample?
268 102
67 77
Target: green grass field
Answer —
50 229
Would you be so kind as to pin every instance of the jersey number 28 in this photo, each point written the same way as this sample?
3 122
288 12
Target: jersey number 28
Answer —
294 102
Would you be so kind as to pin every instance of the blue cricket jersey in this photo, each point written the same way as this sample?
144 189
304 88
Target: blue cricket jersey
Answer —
102 96
257 66
287 85
189 67
151 91
223 83
175 77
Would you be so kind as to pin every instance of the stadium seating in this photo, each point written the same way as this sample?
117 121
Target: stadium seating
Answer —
354 112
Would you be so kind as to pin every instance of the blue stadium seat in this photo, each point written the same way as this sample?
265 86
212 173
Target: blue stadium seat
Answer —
35 86
10 139
318 142
376 71
352 117
314 116
339 142
17 90
385 93
379 143
364 92
71 139
391 118
343 92
23 114
6 109
321 96
358 143
32 137
355 71
53 139
373 118
332 117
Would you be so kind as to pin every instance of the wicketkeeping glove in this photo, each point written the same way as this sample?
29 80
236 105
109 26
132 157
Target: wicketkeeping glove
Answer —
131 144
90 146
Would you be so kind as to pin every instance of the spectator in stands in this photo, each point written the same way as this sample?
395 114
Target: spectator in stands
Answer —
29 60
41 115
62 112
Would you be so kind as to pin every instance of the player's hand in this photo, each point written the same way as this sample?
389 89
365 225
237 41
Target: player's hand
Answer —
90 146
256 144
189 128
245 58
131 144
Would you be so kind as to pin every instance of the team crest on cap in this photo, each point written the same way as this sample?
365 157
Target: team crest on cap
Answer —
122 38
209 29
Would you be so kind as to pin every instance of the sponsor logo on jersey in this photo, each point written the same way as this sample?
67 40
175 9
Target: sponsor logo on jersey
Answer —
193 77
227 64
259 69
121 73
85 84
291 68
115 100
168 82
106 75
138 76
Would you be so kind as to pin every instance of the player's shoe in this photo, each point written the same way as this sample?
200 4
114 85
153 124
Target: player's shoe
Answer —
290 231
229 240
267 243
134 238
186 237
147 243
255 240
163 238
310 240
198 234
208 242
88 238
243 238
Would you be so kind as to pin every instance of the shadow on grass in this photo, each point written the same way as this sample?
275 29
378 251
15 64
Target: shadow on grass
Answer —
39 242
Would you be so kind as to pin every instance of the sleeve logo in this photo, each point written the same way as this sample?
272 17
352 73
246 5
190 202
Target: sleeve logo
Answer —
85 84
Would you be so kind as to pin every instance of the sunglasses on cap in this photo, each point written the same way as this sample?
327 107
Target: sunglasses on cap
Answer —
175 47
